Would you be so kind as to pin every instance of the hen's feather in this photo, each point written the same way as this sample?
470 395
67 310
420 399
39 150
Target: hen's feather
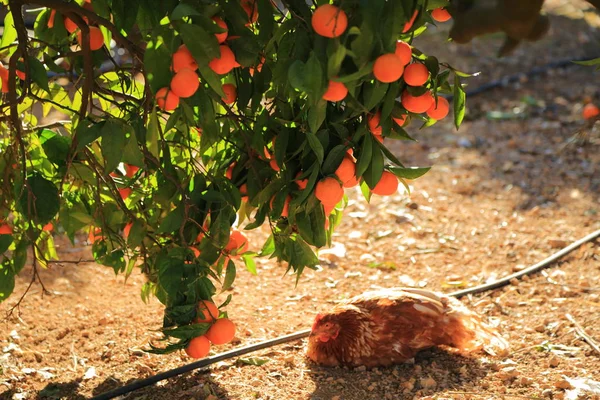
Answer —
391 326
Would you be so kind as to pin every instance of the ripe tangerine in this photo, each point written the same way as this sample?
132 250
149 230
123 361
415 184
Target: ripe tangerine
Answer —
301 182
230 93
387 185
251 10
221 37
166 99
127 230
5 229
416 104
183 59
336 91
352 182
207 312
199 347
329 191
440 14
329 21
410 23
590 111
222 331
416 74
96 38
373 123
403 51
346 170
388 68
439 110
185 83
237 240
225 62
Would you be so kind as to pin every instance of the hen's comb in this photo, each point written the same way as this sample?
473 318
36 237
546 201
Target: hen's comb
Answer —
317 319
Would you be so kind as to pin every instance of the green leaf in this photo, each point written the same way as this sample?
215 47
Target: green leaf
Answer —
172 222
409 173
459 102
39 199
334 159
9 34
199 42
7 279
316 146
316 115
5 242
253 361
87 132
229 275
364 158
250 264
187 331
152 134
38 74
593 61
55 146
183 10
373 173
113 142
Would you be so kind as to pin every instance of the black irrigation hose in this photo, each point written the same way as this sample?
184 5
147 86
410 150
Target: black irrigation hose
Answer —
111 394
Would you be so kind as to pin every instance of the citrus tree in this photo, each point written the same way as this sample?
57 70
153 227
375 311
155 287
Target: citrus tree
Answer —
181 123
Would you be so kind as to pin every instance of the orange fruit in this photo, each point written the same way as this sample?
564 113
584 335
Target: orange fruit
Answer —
244 192
301 182
237 240
96 38
225 62
127 230
336 91
95 235
590 111
48 227
378 138
373 123
440 14
387 185
286 205
221 37
417 104
400 120
183 59
5 229
251 10
166 99
222 331
258 68
439 110
131 170
329 191
71 26
346 169
199 347
403 51
410 23
125 192
230 93
195 251
329 21
4 78
388 68
229 172
274 165
416 74
51 19
207 312
185 83
352 182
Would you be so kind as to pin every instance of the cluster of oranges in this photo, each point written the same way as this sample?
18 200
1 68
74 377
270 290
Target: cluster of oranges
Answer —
96 38
185 81
221 331
331 22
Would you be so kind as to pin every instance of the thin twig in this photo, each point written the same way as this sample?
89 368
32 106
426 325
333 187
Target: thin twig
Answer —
581 332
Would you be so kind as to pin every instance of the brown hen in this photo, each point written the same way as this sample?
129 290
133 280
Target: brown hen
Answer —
390 326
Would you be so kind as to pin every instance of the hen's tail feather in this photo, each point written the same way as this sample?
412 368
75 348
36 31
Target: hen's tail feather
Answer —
469 333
